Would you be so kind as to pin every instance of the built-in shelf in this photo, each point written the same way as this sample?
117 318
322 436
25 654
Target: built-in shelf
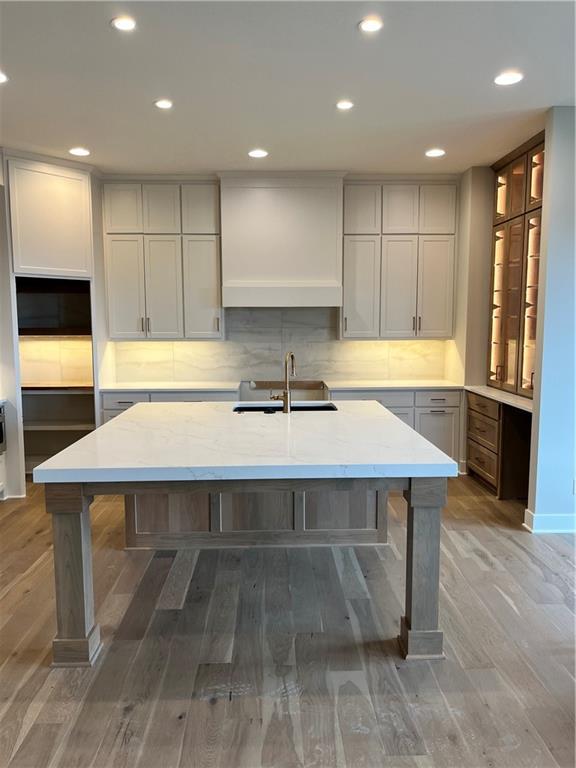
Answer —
53 419
61 426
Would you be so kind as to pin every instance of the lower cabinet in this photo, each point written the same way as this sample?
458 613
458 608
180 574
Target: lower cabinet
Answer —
434 413
181 521
441 426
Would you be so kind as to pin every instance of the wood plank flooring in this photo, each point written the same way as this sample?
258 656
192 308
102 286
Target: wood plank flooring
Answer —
281 657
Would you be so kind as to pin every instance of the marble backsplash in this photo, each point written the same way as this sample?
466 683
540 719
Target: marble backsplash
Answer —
55 361
257 340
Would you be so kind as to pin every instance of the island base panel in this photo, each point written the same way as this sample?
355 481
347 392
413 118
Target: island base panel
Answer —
201 520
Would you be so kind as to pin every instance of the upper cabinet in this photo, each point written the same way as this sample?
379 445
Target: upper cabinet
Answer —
161 208
51 219
163 280
409 291
399 209
362 209
200 209
437 215
123 208
400 205
125 286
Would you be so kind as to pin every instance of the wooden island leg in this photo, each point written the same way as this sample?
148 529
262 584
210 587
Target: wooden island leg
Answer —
77 642
419 634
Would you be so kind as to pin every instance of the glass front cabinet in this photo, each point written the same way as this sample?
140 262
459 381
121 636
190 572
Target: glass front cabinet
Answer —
515 273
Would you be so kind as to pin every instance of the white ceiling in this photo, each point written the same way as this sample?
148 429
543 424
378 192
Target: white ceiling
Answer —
249 74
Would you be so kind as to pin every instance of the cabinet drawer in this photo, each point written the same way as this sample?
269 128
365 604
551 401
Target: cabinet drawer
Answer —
109 415
438 398
195 396
122 400
483 430
484 405
483 462
388 398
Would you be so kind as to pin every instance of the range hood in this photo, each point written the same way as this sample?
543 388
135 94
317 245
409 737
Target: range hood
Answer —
281 240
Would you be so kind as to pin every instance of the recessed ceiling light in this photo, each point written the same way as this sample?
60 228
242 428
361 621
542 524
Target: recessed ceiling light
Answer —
435 152
123 23
79 151
509 77
344 104
371 24
163 104
3 77
258 153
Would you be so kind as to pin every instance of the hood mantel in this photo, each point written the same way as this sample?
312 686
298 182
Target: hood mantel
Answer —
281 240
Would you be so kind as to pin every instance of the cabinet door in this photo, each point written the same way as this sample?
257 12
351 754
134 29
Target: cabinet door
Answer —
400 204
50 210
125 286
200 209
512 303
404 414
535 178
495 343
441 427
435 286
530 303
361 311
123 208
202 287
161 208
163 270
509 199
398 286
437 214
362 209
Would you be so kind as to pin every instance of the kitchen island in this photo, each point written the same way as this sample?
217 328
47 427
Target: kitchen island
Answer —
193 448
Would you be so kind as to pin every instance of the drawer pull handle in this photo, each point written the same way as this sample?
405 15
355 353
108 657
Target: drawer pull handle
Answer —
479 460
125 402
481 431
437 410
439 399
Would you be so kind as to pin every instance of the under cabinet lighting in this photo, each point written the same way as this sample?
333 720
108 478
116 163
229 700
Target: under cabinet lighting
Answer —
258 153
435 152
344 104
79 151
3 77
509 77
123 23
371 24
163 104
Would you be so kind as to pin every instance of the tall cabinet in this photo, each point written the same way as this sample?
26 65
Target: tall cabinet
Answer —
515 270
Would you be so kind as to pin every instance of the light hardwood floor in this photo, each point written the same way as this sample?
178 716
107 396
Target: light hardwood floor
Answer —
275 657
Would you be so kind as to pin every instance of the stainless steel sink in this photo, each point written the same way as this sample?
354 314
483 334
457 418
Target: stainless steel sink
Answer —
277 407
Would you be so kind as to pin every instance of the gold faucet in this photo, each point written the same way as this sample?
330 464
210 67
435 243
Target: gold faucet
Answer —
289 370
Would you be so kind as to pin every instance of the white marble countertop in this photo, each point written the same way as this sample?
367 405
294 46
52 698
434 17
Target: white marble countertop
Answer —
170 386
208 441
337 384
524 403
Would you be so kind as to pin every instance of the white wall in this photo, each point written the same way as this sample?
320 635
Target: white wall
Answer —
551 499
9 368
466 353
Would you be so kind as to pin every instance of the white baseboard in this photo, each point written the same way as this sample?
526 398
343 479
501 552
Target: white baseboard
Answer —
549 523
